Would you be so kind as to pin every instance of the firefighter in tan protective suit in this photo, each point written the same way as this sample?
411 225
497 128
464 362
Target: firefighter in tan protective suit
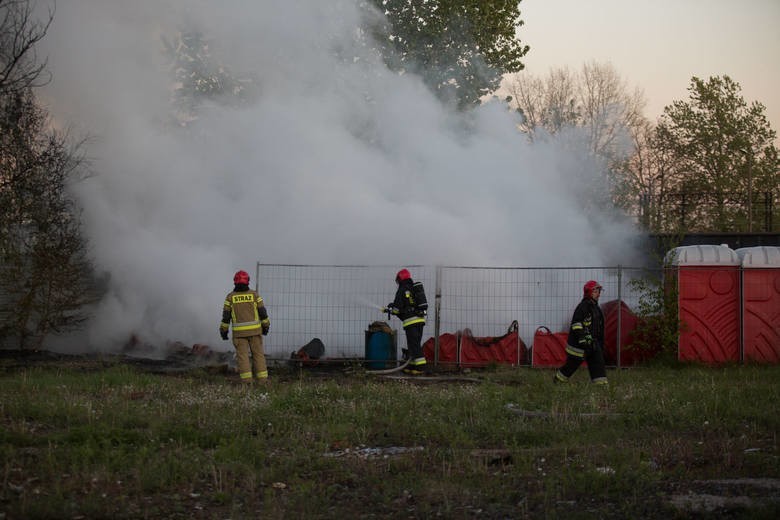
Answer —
245 310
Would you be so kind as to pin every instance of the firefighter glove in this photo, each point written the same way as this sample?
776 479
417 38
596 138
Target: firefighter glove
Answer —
266 328
223 333
588 340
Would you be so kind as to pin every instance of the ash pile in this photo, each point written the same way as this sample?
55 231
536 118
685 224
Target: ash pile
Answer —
177 357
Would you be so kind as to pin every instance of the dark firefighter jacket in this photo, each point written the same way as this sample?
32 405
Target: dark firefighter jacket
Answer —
404 305
244 308
587 327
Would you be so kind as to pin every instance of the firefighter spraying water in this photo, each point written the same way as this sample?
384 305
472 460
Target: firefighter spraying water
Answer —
411 307
367 303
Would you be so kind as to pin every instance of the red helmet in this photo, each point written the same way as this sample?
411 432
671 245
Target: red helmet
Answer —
241 277
402 275
589 287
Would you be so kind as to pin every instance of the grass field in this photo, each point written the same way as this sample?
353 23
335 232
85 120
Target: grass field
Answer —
100 438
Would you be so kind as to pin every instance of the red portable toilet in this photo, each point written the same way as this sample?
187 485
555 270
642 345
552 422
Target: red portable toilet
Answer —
707 279
760 304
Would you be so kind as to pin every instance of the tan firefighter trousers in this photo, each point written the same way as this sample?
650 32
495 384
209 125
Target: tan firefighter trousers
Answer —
243 347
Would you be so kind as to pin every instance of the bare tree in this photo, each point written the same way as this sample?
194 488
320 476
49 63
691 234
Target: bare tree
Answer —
648 178
46 274
608 110
596 100
548 104
561 108
20 67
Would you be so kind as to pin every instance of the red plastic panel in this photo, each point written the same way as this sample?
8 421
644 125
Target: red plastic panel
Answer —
709 309
629 355
448 349
463 349
761 315
549 349
479 352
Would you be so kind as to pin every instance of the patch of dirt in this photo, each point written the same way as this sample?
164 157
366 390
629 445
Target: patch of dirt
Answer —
176 358
724 495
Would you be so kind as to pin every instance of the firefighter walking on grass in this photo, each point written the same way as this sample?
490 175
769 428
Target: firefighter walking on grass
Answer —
586 338
411 307
245 310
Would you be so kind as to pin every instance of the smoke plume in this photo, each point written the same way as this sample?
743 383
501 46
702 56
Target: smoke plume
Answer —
332 159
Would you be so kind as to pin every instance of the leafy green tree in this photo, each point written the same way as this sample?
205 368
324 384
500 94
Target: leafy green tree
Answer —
460 48
724 154
199 77
659 326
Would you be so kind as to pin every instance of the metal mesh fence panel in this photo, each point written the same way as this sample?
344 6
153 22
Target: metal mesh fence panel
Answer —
337 303
487 300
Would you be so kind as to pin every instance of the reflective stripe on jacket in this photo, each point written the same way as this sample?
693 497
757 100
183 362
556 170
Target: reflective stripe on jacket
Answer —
404 305
588 320
247 313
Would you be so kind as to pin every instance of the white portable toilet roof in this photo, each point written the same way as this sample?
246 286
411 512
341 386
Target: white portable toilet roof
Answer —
703 255
760 257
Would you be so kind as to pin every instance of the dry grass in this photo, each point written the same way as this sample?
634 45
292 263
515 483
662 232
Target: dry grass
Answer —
105 439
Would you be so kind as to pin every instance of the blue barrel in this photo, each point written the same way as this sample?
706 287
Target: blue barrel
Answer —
380 348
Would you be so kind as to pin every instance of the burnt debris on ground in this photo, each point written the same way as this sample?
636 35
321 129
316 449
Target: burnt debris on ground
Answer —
174 358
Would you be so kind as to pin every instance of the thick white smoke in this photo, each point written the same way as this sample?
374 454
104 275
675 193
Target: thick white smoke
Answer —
337 160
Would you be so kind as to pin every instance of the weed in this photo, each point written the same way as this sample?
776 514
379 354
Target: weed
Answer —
117 442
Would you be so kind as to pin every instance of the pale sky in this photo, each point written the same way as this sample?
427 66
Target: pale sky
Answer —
659 45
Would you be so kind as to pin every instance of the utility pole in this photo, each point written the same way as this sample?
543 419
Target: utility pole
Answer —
748 153
750 191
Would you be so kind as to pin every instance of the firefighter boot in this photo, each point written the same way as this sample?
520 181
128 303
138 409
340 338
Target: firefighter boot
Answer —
416 367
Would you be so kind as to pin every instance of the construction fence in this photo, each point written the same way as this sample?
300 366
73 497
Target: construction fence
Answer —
337 303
